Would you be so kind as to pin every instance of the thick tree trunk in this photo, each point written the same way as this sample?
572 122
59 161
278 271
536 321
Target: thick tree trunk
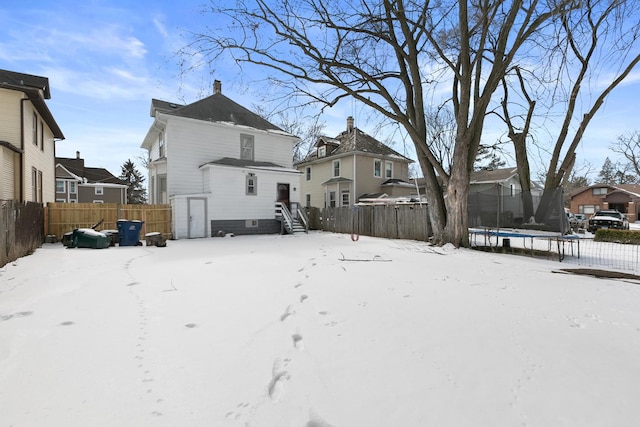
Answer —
456 230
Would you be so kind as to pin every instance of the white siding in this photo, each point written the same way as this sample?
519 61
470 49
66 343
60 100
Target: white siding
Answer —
229 200
192 143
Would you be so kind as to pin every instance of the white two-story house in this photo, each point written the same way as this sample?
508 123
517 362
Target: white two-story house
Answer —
220 166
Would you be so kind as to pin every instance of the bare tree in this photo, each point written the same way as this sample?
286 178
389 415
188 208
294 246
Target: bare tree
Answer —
629 147
386 54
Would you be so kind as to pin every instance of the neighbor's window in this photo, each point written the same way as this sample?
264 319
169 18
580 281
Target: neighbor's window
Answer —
99 191
336 168
246 147
161 144
35 129
512 190
345 198
322 151
588 209
252 185
377 168
599 191
73 188
40 180
98 201
60 187
41 136
388 170
307 200
332 199
307 173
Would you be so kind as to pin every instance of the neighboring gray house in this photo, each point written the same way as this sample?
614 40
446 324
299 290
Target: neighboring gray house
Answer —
77 183
220 166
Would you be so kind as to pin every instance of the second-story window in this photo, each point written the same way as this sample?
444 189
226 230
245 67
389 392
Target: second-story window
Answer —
599 191
388 170
60 187
41 135
322 151
247 146
35 129
336 168
307 173
377 168
161 144
73 188
99 191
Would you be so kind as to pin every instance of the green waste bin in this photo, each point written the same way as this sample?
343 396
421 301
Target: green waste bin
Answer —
89 238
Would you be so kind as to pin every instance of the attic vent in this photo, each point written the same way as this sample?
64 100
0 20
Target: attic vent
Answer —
173 106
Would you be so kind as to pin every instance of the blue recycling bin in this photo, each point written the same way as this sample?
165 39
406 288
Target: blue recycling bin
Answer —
129 232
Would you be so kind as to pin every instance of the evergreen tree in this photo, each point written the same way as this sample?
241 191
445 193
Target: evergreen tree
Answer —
136 193
607 173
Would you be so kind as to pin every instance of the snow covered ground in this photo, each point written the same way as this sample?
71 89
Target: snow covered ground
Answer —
313 331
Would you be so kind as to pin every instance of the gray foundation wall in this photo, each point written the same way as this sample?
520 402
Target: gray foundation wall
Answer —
243 227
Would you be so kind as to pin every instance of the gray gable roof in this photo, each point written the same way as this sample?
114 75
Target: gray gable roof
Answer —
26 81
353 140
214 108
93 175
493 175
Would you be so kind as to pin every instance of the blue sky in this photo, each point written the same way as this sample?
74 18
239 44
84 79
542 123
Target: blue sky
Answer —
105 60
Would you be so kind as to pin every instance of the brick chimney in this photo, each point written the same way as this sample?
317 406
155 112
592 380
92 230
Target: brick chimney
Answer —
217 86
349 124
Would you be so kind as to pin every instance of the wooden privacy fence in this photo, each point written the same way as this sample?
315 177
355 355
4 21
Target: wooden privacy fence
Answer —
389 221
21 229
64 217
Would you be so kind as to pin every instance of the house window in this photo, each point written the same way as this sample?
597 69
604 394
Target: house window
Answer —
512 190
40 198
322 151
99 191
61 200
377 168
246 147
336 168
98 201
332 199
588 209
599 191
252 185
388 170
161 144
307 200
73 188
35 129
41 136
60 187
307 173
345 198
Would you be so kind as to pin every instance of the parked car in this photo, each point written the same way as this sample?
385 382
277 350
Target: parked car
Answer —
573 221
608 219
582 219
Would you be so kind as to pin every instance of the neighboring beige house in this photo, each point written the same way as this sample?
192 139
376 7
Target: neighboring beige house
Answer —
28 133
342 170
621 197
76 183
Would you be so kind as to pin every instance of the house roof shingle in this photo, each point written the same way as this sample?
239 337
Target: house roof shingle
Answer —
353 140
214 108
93 175
36 88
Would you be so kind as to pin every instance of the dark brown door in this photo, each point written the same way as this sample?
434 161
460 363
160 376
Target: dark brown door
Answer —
283 194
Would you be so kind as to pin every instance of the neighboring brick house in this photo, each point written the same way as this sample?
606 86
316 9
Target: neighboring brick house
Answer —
77 183
28 133
351 166
621 197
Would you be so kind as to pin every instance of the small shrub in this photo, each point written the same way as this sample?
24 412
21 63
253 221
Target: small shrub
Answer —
627 237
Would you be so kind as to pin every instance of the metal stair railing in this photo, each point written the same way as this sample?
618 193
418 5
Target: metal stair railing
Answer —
282 213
